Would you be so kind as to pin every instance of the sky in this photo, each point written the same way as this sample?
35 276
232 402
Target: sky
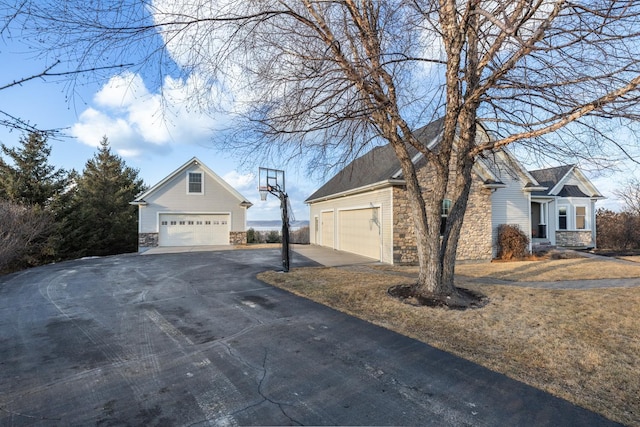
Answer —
157 133
153 134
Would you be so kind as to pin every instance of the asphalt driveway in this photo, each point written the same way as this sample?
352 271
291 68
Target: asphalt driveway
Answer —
194 339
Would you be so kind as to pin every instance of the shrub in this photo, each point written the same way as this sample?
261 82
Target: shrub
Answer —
617 230
512 242
300 236
251 236
273 237
24 234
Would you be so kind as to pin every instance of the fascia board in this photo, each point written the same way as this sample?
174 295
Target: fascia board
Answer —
363 189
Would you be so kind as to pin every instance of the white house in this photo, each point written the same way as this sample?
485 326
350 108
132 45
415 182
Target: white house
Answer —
363 209
192 206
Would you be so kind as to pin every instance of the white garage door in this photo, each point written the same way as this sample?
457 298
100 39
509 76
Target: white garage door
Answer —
359 231
194 230
327 229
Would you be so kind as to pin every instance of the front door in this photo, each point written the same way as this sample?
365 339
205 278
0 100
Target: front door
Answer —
538 221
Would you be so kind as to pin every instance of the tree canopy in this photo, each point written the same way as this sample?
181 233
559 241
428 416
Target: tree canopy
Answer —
28 178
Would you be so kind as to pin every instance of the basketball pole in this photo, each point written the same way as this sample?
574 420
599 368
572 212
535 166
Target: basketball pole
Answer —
285 231
268 183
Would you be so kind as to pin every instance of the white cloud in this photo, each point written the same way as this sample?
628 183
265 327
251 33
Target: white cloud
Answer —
94 124
137 121
122 91
241 182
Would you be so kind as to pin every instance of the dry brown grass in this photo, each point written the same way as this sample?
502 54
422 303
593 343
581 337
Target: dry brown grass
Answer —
634 258
581 345
543 271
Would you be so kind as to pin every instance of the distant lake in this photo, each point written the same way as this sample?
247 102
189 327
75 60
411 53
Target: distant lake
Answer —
275 225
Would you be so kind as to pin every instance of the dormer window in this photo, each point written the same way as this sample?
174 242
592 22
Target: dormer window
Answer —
194 183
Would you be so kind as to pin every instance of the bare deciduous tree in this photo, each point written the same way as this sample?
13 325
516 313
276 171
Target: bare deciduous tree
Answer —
11 11
333 77
20 227
630 196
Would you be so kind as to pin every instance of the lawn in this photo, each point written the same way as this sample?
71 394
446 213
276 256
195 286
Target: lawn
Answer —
544 270
581 345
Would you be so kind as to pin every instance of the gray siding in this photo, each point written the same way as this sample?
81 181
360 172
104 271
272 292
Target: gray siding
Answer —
510 205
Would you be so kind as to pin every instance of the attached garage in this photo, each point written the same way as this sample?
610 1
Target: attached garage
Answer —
359 231
194 229
327 229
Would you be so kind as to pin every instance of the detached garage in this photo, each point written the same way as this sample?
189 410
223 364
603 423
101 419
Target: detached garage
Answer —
192 206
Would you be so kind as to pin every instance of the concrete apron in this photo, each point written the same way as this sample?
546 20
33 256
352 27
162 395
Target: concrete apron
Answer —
322 255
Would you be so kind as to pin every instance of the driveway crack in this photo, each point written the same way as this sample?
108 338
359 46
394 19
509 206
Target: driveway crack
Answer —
261 392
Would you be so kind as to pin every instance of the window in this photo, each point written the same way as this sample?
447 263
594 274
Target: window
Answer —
164 222
194 185
207 223
446 208
182 222
581 217
173 223
562 218
190 222
198 222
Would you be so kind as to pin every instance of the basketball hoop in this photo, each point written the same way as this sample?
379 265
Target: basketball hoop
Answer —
272 181
264 191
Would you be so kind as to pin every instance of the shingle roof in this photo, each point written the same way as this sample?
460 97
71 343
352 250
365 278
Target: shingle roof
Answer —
549 177
571 191
378 165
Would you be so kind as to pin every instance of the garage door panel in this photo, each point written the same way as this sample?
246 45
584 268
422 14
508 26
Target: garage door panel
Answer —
359 231
194 229
327 229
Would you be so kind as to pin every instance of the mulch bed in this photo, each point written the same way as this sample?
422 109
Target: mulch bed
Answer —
465 299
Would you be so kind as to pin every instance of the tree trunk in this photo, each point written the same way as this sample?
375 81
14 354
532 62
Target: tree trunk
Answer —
436 253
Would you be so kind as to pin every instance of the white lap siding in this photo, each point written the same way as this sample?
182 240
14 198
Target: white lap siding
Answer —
172 198
333 217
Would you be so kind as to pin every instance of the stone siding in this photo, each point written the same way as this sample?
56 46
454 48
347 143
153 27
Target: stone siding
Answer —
238 237
574 239
404 242
475 237
475 243
147 240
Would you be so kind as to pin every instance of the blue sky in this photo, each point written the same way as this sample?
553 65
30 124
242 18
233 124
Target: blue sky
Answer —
156 134
153 134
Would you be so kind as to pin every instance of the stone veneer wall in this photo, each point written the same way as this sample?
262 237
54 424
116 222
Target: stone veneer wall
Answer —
475 237
238 237
147 240
574 239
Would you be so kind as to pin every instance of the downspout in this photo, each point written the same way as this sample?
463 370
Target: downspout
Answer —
530 223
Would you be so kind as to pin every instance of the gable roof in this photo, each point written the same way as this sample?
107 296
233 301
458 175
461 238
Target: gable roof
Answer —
550 177
554 179
571 191
378 167
140 199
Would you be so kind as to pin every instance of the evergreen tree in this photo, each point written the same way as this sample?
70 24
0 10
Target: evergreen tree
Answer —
102 221
31 180
32 186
